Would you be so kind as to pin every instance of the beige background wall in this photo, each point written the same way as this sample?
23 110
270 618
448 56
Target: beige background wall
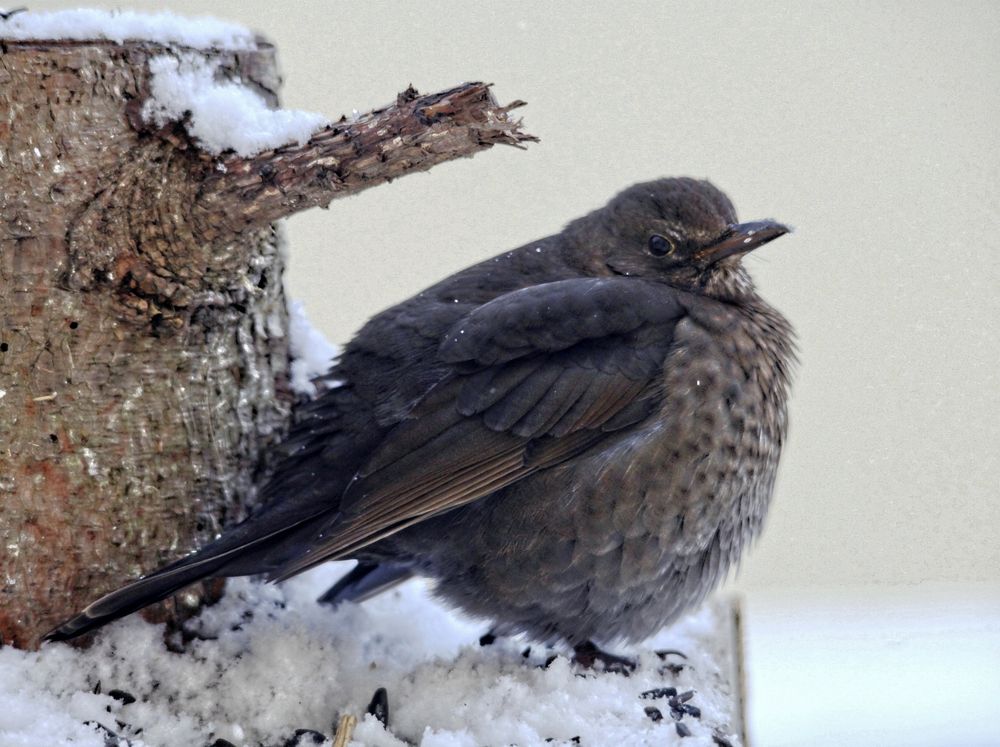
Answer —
871 129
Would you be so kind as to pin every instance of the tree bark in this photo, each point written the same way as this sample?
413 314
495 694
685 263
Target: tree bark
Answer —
143 327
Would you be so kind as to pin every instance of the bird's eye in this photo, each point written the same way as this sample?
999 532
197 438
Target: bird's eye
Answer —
660 246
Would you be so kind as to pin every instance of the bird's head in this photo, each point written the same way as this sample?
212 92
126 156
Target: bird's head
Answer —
681 231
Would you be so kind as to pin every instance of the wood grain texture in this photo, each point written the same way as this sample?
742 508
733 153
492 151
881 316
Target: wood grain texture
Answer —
143 324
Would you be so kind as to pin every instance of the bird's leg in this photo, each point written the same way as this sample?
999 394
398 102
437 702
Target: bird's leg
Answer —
587 654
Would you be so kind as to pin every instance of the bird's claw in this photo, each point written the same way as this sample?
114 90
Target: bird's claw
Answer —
588 655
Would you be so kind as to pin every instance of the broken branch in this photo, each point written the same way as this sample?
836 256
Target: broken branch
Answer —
414 134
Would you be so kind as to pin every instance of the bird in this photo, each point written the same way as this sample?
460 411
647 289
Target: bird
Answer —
575 439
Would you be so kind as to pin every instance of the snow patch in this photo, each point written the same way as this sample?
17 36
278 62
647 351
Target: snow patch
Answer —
312 353
269 660
126 25
221 114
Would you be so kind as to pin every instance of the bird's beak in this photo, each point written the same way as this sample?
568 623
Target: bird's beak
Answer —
741 238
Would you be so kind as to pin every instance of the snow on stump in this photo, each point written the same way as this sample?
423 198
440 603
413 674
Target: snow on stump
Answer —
144 350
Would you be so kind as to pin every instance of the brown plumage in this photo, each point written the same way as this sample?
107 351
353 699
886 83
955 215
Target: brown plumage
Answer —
576 439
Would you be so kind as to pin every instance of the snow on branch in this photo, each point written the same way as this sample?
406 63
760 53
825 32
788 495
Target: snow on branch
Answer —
221 114
413 134
254 163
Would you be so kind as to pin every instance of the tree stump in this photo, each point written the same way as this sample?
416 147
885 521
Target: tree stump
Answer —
143 325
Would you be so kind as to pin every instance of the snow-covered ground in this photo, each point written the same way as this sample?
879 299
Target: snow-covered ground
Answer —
269 661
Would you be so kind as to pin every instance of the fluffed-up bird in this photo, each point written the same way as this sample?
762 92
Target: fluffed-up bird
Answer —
575 439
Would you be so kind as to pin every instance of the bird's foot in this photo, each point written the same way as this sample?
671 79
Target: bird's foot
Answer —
671 666
588 655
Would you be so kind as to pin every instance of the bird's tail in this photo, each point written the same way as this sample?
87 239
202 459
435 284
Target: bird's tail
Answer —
242 553
136 595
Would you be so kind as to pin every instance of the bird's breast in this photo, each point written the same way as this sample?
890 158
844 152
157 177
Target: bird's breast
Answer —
697 477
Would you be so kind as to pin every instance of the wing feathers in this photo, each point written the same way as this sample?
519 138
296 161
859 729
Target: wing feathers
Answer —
523 399
538 376
399 512
562 395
